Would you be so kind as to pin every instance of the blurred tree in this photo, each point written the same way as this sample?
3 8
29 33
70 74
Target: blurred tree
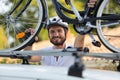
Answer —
3 41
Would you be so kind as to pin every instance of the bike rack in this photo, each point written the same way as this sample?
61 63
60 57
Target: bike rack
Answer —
59 52
75 70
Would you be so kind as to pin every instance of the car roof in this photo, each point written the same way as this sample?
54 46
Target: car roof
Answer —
38 72
33 72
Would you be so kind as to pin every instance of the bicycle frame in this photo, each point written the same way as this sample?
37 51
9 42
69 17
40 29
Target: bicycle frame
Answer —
83 14
58 7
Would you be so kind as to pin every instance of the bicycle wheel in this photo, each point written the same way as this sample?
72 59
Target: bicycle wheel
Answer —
15 17
109 30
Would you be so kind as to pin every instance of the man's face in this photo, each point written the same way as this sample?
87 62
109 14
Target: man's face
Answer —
57 35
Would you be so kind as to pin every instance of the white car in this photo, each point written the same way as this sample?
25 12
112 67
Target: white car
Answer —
37 72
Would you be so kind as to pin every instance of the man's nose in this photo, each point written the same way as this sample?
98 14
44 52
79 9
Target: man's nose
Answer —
56 34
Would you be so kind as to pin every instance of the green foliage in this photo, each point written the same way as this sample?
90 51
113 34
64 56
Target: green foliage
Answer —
3 41
4 61
114 6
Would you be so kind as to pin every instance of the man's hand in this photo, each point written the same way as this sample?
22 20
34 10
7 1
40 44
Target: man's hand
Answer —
91 3
31 32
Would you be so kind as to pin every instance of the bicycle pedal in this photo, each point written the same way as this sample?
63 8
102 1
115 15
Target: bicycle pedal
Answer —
96 43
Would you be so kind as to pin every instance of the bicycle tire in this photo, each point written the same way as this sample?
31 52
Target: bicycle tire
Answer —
14 22
109 34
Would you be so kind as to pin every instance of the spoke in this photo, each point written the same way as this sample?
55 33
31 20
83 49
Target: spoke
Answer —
26 20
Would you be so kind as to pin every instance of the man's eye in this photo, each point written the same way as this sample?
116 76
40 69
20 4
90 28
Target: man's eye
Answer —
59 30
52 32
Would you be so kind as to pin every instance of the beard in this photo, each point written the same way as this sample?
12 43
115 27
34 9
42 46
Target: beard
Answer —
58 42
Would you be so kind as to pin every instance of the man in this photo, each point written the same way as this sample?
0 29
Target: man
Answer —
57 31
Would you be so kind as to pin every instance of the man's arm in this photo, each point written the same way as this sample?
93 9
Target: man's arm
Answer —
33 58
79 41
28 48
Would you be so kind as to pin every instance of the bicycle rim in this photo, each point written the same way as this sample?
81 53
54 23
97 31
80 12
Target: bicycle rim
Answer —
12 25
109 30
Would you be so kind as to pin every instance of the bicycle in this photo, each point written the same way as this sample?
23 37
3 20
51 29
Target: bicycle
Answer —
14 25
